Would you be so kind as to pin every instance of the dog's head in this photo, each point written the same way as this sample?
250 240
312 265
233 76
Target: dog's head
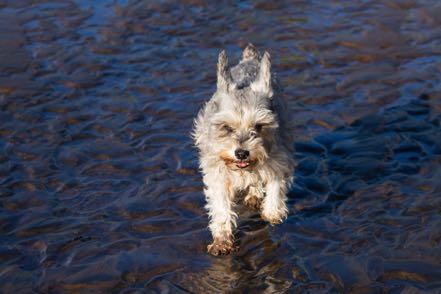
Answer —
244 125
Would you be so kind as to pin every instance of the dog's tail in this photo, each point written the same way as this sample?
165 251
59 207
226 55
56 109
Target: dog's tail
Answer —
250 52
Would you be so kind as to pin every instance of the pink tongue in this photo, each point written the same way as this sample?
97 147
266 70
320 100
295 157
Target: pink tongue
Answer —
242 164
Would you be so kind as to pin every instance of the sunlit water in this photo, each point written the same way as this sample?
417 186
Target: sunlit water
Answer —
100 189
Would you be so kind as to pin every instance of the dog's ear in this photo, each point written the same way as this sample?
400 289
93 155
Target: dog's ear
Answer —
262 84
223 73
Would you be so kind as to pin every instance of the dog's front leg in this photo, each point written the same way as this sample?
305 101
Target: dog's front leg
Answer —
274 208
219 195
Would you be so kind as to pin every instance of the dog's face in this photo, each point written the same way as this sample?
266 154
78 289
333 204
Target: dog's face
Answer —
244 126
244 130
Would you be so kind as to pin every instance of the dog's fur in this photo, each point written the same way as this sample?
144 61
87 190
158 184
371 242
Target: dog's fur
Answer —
245 113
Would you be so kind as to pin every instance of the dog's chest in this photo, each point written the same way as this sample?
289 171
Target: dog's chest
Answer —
241 180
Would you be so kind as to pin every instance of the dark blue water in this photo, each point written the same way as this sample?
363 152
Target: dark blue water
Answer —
100 189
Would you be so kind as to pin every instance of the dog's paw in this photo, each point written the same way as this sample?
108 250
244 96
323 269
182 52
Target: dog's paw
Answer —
252 202
220 247
273 218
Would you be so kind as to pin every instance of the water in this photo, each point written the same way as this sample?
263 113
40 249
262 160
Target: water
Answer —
100 189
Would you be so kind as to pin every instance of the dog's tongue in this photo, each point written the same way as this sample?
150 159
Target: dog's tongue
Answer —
242 164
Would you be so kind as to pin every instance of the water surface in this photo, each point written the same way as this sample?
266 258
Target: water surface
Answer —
100 189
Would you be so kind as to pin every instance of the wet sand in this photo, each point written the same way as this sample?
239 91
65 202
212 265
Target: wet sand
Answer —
100 188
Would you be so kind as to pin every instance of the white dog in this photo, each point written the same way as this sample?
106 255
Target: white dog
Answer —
243 146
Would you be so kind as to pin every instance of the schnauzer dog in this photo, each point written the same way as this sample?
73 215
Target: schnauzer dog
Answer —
243 145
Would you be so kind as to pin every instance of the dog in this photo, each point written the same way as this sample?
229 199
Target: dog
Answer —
244 146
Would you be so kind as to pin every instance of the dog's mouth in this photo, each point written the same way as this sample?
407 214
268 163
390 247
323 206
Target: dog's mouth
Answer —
242 164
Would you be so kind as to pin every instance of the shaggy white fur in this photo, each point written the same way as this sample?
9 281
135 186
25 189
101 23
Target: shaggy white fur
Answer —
243 146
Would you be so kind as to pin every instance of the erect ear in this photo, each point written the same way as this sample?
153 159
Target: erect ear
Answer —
262 84
223 72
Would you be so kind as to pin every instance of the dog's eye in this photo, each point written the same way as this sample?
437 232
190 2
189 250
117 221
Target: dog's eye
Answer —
227 128
258 128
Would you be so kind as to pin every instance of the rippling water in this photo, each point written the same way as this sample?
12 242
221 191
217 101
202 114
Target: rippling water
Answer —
100 190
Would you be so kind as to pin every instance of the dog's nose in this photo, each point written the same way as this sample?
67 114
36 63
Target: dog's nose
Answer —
241 154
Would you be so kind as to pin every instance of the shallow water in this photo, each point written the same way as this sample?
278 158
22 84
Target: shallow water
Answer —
100 189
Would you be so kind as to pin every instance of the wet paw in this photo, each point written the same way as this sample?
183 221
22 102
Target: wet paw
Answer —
274 219
252 202
220 247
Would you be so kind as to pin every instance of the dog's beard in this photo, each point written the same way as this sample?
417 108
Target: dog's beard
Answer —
258 156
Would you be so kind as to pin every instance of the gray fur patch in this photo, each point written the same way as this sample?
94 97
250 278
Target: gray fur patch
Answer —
245 73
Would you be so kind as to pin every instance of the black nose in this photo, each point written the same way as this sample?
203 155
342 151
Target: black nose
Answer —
242 154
